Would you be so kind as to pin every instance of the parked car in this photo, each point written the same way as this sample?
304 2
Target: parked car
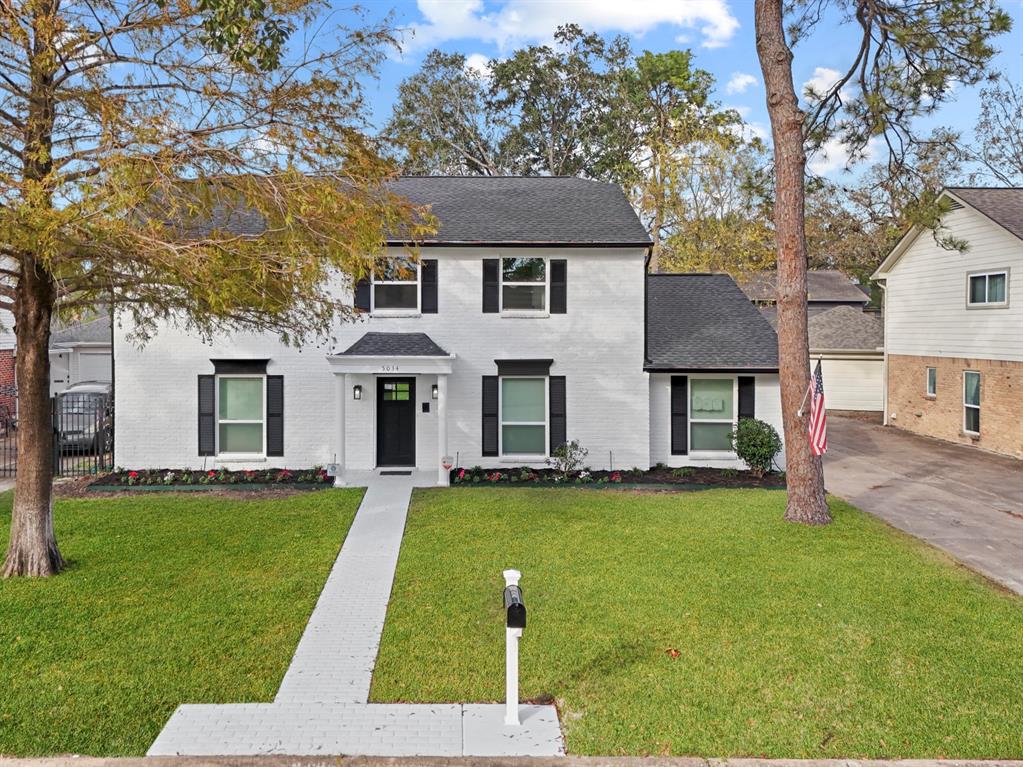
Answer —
85 422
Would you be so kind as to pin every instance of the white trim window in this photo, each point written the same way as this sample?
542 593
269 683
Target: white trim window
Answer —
522 405
971 402
988 288
932 382
395 287
241 415
524 285
713 410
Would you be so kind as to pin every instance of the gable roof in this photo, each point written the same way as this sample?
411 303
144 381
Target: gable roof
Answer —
1003 206
704 322
822 286
91 331
395 345
846 328
525 210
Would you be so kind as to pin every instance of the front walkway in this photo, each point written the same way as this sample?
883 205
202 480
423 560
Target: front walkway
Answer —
322 705
960 499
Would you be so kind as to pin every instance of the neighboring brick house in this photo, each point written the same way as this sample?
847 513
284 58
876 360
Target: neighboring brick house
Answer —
845 336
954 324
8 387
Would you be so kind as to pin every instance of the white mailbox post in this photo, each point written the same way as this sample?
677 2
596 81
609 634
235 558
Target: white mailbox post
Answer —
514 623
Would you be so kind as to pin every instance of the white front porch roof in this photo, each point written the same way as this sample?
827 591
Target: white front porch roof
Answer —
392 353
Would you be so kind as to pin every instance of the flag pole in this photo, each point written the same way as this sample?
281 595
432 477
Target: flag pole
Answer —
799 413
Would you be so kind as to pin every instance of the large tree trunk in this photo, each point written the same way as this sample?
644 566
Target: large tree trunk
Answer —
33 547
805 476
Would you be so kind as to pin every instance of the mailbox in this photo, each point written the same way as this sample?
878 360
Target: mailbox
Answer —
515 606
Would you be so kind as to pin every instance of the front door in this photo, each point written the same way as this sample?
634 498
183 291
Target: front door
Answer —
396 422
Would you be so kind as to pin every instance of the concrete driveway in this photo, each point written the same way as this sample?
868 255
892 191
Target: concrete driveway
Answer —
962 500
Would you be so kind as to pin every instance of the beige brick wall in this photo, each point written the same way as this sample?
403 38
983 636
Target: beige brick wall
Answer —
941 416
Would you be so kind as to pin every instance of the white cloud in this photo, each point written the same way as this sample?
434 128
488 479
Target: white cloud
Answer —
478 64
822 82
515 22
834 156
739 82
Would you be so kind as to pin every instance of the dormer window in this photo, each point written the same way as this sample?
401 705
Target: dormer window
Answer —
523 285
396 287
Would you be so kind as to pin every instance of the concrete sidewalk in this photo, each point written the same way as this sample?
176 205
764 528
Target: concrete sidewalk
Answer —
322 705
959 499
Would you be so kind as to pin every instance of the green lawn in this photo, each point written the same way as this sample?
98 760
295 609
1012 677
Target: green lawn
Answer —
846 641
168 600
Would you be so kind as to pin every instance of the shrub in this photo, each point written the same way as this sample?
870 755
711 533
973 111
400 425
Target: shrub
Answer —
567 459
682 472
757 444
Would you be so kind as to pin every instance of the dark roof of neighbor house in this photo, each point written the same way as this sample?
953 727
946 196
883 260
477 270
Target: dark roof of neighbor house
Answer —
395 345
496 210
704 322
822 285
525 210
96 330
846 328
1002 205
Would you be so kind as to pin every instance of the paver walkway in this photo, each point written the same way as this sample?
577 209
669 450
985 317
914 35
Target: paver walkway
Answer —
960 499
322 704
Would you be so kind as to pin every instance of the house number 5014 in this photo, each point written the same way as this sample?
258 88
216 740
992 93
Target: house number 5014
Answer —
389 368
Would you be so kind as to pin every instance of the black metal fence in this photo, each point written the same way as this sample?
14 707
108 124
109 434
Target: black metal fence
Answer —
82 435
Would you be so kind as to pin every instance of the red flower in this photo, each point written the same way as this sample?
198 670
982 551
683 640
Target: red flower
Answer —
211 473
133 474
616 477
461 473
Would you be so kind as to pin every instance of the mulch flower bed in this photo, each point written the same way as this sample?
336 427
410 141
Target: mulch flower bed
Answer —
658 475
214 477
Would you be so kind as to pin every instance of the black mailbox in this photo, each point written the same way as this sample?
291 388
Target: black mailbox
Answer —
515 606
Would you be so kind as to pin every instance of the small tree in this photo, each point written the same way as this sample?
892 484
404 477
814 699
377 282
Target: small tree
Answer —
757 444
567 459
132 134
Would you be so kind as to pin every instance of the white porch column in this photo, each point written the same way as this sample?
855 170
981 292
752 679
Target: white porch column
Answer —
340 396
443 477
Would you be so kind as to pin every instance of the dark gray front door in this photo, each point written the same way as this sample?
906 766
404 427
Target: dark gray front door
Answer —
396 422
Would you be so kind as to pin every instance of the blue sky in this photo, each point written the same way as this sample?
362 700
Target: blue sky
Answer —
719 32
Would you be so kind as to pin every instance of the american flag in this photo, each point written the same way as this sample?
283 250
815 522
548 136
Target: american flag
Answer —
818 427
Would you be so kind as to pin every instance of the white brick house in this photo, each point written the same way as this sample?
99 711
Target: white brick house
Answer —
523 325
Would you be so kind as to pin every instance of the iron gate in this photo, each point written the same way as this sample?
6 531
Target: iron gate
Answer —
82 441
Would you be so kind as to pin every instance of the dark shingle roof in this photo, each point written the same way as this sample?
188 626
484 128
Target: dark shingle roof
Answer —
533 209
395 345
846 327
1004 206
704 322
822 285
91 331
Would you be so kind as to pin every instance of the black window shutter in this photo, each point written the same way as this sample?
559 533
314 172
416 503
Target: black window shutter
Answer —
275 415
207 415
362 288
679 415
491 286
490 424
428 276
747 397
559 425
559 286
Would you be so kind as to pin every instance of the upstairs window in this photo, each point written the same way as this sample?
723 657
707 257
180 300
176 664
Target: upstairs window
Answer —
523 285
241 406
396 286
987 289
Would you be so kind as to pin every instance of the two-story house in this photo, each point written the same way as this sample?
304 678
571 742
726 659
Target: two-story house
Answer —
528 320
954 324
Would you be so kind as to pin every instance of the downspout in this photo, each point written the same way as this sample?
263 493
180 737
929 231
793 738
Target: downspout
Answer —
646 302
884 364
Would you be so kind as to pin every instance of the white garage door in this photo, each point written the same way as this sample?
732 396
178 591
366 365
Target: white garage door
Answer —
853 384
94 366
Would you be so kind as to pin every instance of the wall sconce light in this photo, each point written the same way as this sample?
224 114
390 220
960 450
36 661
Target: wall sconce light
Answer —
433 392
357 391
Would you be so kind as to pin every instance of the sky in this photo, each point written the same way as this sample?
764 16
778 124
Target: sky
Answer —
719 32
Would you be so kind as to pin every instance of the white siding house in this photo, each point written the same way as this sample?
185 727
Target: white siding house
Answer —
954 324
523 325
